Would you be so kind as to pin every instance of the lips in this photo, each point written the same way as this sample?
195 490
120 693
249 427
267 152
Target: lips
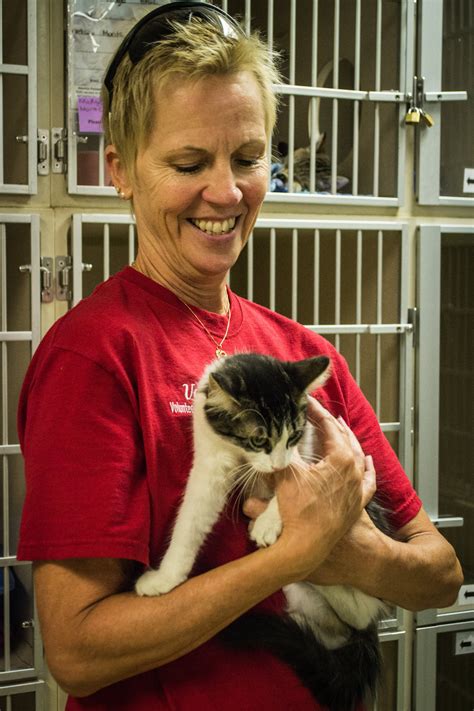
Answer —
215 227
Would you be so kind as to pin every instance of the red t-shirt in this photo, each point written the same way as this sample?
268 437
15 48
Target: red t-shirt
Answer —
105 429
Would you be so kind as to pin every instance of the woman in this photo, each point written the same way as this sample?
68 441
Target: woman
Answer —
188 113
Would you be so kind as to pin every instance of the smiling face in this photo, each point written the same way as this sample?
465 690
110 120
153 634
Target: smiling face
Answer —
201 178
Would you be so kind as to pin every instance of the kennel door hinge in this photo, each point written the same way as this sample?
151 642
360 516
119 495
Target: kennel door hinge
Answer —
59 150
42 157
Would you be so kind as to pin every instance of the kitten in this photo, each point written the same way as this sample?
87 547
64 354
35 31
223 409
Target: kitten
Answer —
249 418
302 169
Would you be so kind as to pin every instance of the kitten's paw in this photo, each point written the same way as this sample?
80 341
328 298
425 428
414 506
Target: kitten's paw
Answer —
265 530
156 582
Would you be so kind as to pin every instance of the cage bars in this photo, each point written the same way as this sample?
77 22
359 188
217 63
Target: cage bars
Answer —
316 268
314 102
378 69
250 267
335 105
291 98
355 134
272 295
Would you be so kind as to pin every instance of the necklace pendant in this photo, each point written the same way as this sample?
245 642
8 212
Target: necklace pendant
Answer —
220 353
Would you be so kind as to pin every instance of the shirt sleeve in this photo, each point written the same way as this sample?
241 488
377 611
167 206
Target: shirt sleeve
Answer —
394 490
86 485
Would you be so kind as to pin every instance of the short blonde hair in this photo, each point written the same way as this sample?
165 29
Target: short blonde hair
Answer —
194 50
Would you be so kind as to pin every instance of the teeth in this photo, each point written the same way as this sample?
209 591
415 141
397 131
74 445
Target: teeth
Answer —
216 227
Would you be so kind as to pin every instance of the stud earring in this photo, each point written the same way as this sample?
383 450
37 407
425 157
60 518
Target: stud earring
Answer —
120 193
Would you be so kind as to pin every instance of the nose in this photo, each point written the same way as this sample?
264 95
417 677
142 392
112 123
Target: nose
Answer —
221 188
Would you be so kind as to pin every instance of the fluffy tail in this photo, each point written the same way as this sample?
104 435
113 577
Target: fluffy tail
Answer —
339 679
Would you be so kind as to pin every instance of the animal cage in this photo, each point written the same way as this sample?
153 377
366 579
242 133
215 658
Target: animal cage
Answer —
340 137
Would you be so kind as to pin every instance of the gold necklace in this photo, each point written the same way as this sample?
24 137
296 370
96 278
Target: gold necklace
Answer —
220 353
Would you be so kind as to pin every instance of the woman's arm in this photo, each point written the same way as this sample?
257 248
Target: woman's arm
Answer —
418 570
96 632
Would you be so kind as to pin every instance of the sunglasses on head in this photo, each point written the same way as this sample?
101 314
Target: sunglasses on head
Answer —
156 25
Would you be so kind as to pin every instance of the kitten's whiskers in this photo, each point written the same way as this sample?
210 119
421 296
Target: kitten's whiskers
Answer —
244 477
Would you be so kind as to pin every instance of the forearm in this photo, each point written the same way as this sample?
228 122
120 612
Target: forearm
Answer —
124 635
418 574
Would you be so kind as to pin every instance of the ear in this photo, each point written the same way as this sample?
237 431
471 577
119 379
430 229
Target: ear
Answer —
118 173
311 373
320 141
217 394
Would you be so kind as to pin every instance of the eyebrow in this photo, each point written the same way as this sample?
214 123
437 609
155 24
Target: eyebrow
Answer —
257 143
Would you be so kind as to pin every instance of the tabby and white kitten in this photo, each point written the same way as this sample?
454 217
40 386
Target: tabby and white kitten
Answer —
302 168
249 417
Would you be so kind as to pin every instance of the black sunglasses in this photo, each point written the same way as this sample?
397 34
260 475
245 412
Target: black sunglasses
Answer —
156 25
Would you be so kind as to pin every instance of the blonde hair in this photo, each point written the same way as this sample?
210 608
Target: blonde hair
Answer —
193 51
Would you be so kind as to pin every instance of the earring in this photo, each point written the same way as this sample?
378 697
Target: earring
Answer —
120 193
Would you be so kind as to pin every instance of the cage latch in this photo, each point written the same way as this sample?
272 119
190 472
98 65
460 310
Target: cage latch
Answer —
46 278
63 276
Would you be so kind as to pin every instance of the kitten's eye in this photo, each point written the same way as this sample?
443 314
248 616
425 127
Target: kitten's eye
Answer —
258 441
294 439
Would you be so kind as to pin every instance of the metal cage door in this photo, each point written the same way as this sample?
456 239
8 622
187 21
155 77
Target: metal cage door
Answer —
20 295
20 145
446 151
445 396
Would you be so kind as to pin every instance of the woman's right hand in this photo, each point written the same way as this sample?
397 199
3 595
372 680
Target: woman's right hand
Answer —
319 503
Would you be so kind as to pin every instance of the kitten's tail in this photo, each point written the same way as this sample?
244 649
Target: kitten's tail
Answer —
340 678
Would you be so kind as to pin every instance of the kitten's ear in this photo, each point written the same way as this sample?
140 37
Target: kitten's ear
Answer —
311 373
217 393
320 141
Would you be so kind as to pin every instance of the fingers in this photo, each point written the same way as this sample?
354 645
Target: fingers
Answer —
324 421
369 481
318 415
253 507
355 444
316 412
333 429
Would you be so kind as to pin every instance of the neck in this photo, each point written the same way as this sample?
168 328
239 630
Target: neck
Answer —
210 295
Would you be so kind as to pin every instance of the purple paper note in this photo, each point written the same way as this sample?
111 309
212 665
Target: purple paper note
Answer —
90 114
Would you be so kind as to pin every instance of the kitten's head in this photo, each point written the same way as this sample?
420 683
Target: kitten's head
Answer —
258 404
